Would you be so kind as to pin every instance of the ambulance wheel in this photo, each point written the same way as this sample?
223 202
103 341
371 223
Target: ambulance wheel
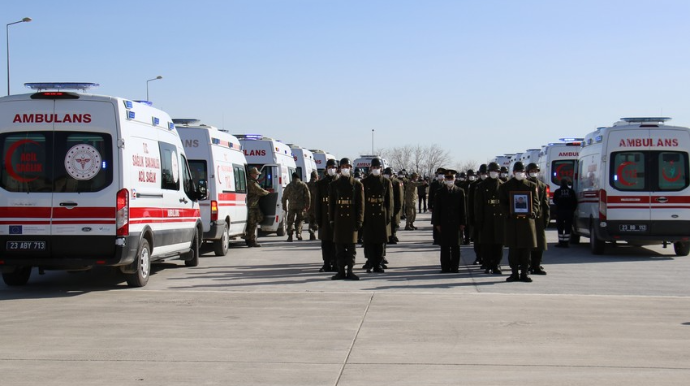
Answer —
682 249
220 247
141 276
595 245
281 228
192 259
20 276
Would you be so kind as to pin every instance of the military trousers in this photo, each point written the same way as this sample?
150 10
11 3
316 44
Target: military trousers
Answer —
312 223
450 258
492 254
519 259
345 255
536 258
374 253
564 222
328 253
410 213
295 219
254 217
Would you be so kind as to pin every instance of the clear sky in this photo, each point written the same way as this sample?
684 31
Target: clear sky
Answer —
477 77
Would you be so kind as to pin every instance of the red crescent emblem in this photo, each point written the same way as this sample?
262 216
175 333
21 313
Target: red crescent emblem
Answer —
619 173
667 178
8 160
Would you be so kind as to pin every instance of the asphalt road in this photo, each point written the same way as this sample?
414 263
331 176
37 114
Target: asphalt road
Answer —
266 316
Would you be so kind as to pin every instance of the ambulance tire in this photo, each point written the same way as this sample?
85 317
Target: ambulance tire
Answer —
220 247
681 248
19 277
595 245
143 262
192 258
281 228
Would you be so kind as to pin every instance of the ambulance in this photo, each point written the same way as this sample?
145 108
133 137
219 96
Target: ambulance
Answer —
530 156
276 163
320 158
90 180
363 163
217 157
556 161
304 159
632 184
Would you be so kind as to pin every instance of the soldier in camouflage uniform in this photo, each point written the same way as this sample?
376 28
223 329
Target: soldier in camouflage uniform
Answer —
411 201
297 193
254 215
313 227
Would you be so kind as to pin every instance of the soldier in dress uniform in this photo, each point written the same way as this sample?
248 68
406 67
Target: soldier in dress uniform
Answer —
541 222
346 215
488 218
411 201
398 194
310 213
519 232
565 200
297 194
378 210
435 185
254 215
465 185
322 220
449 219
482 175
460 178
504 174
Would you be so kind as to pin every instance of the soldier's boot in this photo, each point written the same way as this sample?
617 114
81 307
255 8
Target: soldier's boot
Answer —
524 277
351 275
514 276
298 233
289 237
379 269
254 244
312 236
497 270
391 240
566 240
340 275
325 267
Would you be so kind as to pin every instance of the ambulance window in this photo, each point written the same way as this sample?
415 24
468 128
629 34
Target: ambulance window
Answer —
187 179
198 168
562 169
25 167
628 171
240 178
88 162
299 171
266 178
170 168
673 171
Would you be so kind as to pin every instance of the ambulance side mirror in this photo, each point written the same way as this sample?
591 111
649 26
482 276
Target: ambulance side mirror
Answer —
202 190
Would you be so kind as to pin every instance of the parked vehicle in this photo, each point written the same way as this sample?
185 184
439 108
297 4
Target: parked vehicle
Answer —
557 161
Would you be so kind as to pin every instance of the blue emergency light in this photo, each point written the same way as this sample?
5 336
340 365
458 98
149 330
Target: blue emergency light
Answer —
61 85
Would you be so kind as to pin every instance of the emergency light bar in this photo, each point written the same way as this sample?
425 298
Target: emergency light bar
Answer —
61 86
645 119
185 121
571 139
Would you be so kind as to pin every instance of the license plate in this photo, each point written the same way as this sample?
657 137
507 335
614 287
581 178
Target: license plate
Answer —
25 246
632 228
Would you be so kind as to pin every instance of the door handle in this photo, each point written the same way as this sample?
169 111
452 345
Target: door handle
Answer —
183 200
68 205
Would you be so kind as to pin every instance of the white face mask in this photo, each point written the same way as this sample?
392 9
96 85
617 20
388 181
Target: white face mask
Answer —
387 176
472 178
331 171
376 172
483 176
504 175
534 175
345 172
440 177
493 175
462 179
519 176
450 182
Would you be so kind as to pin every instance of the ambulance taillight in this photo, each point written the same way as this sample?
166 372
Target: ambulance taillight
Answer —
602 205
122 213
214 210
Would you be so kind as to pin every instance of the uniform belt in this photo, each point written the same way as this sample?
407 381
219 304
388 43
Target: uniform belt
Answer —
324 199
344 202
493 202
375 200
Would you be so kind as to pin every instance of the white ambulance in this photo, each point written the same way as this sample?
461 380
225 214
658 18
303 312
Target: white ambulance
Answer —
633 185
363 163
216 156
276 163
91 180
304 159
320 158
557 161
530 156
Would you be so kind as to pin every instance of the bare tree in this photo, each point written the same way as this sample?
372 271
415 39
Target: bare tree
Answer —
467 165
400 157
436 157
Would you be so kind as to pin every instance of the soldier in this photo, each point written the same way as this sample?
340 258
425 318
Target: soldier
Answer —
297 193
488 219
465 185
402 177
411 201
504 174
519 231
322 220
378 210
460 178
541 222
449 219
435 185
470 217
346 215
421 195
565 200
254 215
310 213
398 194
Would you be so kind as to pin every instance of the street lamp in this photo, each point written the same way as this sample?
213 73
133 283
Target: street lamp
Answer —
147 85
7 29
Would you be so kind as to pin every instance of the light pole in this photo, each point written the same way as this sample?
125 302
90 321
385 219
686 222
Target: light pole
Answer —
7 30
372 142
147 86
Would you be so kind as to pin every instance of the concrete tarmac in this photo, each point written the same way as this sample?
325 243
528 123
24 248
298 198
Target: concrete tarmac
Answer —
266 316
